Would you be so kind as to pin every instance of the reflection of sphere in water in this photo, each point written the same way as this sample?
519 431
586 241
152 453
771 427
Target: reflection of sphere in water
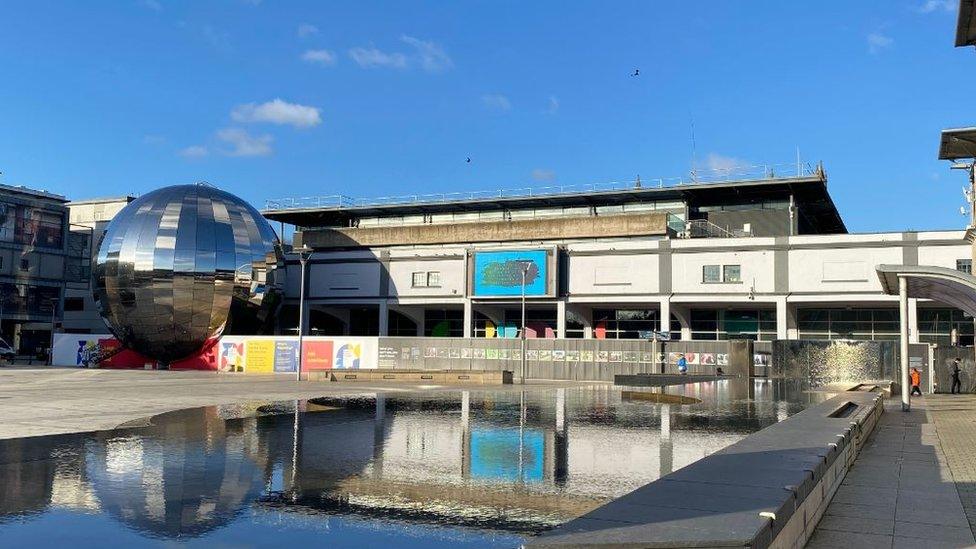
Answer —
180 264
179 480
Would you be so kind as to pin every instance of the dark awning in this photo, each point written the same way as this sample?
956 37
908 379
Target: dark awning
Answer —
948 286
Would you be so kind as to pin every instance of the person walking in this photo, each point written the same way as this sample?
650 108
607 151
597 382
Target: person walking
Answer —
682 365
956 384
916 381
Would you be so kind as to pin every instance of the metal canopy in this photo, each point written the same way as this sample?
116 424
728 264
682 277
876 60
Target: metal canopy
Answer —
965 25
948 286
957 143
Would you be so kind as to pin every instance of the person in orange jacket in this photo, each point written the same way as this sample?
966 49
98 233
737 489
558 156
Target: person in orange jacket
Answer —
916 381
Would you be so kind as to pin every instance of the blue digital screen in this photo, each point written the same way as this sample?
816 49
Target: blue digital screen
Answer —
500 273
507 454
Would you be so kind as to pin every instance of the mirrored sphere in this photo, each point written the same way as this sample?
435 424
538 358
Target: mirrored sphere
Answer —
184 264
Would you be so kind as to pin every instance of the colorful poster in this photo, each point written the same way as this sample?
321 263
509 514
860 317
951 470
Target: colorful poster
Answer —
478 353
673 357
572 356
231 356
631 356
317 355
545 355
558 355
348 356
492 354
708 359
500 273
692 358
602 356
286 356
532 354
616 356
586 356
722 359
516 354
430 352
259 356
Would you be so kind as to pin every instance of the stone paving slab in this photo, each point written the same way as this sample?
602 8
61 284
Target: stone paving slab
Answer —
903 490
45 400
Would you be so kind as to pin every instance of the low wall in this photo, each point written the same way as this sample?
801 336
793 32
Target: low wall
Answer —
767 490
564 359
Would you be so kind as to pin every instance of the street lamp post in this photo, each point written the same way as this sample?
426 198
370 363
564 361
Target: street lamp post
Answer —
525 272
304 254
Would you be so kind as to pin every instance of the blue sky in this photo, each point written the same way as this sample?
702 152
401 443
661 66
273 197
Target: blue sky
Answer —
269 99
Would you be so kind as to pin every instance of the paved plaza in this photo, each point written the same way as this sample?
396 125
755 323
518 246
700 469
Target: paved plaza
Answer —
44 401
913 484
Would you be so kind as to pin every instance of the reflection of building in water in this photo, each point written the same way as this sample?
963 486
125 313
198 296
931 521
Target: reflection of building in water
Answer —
26 475
179 479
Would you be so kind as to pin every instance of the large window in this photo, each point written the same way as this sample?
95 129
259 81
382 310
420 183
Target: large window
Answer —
715 274
444 323
711 274
863 324
935 325
624 323
718 324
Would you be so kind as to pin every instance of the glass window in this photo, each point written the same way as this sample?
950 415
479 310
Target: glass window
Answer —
74 304
419 280
731 273
711 274
434 279
24 265
964 265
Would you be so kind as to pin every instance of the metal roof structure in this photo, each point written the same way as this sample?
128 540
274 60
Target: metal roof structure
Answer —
948 286
966 24
816 209
957 143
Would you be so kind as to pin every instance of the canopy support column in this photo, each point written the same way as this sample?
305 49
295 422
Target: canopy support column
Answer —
906 404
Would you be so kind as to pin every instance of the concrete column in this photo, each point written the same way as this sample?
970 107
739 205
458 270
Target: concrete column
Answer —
665 324
420 319
792 327
561 319
683 315
912 320
903 340
384 319
468 318
781 318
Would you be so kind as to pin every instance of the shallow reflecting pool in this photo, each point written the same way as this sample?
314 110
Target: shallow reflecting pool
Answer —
434 469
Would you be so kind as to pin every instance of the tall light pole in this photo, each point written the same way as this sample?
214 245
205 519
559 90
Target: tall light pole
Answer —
304 254
525 272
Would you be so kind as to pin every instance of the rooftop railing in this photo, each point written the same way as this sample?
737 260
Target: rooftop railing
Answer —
696 177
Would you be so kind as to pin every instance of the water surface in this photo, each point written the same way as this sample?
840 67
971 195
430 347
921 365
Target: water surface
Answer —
433 469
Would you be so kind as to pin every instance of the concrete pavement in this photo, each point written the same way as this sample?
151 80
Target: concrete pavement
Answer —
46 400
903 490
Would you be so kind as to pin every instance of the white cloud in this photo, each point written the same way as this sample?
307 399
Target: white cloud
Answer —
194 151
243 143
325 58
540 174
726 164
306 29
151 4
431 57
278 112
553 105
496 102
877 41
937 5
427 55
369 58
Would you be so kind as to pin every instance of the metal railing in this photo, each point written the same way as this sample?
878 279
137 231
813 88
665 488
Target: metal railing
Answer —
696 177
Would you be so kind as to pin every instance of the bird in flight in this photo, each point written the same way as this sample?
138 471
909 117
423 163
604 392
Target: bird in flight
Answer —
468 160
636 72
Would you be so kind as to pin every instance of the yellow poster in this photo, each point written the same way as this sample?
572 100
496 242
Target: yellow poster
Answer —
259 356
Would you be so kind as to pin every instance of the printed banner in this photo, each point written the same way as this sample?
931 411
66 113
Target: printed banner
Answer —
317 355
286 356
259 356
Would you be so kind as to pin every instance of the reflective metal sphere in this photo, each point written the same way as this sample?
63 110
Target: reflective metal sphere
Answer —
183 264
